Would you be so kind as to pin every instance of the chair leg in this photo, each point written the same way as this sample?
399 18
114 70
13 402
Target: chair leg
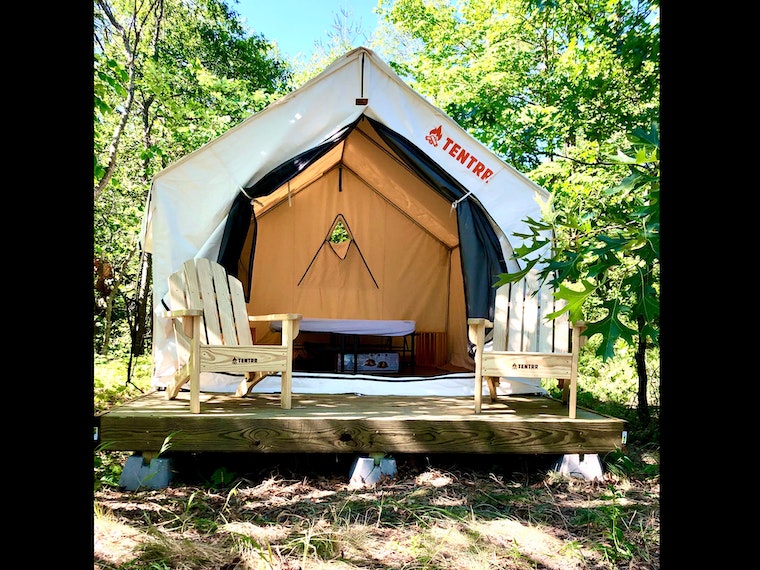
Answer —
181 378
195 392
493 382
286 401
247 383
564 385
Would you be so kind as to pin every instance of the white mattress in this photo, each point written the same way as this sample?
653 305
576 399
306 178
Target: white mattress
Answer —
354 326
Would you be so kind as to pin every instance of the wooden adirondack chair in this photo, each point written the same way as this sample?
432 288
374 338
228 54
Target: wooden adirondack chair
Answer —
213 333
525 344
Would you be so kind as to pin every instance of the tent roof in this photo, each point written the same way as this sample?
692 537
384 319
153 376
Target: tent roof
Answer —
349 155
354 85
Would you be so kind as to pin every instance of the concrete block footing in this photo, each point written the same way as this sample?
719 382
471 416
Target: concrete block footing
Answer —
137 473
369 470
586 466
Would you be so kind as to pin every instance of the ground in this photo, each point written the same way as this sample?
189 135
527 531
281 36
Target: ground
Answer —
468 512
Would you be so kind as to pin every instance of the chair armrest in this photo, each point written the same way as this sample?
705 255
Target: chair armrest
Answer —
480 321
276 317
290 331
182 313
581 326
477 329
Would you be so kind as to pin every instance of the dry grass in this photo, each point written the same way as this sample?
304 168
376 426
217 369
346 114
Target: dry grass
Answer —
303 513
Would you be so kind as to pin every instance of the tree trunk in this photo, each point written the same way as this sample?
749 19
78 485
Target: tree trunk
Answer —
107 321
130 53
118 278
143 302
641 371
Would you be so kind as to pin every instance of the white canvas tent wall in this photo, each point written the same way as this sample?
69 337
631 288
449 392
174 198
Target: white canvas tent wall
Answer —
431 211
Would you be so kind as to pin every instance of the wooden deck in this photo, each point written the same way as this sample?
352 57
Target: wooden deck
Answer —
349 423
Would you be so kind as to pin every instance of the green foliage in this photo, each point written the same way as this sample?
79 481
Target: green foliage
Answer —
222 478
339 234
168 77
109 84
532 78
624 466
108 467
111 386
607 271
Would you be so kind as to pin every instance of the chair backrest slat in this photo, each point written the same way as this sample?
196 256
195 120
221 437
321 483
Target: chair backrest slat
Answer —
177 291
193 292
562 328
224 306
192 288
520 323
208 301
240 312
515 322
178 301
204 284
531 321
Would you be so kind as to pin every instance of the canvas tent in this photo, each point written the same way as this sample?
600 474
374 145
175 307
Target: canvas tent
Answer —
429 213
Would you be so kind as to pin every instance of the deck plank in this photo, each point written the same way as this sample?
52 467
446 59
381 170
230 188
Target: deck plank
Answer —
351 423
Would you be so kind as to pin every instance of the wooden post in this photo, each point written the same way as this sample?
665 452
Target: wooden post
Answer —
287 374
194 365
478 331
574 370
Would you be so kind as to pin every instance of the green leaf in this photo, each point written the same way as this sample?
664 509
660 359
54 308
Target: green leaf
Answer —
524 250
648 306
565 270
622 158
505 278
651 137
575 300
626 184
611 328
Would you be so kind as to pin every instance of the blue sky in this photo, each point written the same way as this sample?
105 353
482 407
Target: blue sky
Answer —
296 24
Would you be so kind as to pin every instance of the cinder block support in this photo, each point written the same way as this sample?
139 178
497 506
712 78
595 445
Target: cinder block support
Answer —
138 473
369 470
586 466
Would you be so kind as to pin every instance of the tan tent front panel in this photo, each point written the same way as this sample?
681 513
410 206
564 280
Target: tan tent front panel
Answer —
402 259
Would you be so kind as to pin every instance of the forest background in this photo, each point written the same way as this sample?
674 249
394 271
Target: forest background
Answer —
566 92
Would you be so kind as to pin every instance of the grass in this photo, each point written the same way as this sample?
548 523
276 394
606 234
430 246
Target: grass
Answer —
112 383
437 515
446 512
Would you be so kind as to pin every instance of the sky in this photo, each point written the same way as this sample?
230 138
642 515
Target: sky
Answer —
296 24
